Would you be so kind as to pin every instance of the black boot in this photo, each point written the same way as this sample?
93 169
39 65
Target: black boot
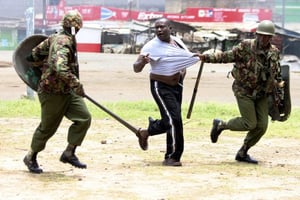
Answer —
218 127
243 156
68 156
31 163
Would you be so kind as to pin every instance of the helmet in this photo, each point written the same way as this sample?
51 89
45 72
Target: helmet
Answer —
72 19
266 27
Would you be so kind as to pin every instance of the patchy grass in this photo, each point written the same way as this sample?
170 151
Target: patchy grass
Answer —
138 112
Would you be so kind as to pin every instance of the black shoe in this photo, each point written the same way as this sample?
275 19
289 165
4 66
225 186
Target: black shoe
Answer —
215 131
246 159
171 162
32 165
143 135
73 160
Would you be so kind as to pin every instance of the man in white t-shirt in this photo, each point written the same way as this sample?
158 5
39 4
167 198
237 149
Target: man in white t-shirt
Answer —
169 58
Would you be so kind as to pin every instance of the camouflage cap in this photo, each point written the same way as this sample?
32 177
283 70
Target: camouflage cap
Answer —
72 19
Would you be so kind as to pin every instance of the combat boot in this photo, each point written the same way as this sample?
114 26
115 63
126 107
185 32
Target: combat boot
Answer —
31 162
217 128
68 156
243 156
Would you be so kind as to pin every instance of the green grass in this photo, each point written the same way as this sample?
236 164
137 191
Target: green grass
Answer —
133 110
138 112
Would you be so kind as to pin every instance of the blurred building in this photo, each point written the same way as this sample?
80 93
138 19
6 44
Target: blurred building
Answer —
285 13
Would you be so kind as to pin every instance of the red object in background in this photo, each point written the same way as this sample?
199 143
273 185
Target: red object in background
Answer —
229 14
88 47
89 13
89 39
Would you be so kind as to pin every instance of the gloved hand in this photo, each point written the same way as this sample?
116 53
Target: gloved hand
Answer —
79 90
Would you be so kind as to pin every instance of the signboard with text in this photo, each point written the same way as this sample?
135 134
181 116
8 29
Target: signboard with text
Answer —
89 13
229 14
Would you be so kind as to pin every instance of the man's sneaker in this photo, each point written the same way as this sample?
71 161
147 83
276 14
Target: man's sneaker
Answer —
216 130
171 162
245 158
143 135
32 165
73 160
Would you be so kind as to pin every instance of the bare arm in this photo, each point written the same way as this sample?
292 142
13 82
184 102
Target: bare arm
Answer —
140 63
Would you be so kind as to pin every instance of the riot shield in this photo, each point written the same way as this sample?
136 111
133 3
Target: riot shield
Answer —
29 74
280 102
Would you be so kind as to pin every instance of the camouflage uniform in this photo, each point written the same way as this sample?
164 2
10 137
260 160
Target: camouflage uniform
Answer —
56 91
255 72
60 93
60 73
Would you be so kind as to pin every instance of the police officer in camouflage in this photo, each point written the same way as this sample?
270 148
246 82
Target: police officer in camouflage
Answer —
256 71
60 93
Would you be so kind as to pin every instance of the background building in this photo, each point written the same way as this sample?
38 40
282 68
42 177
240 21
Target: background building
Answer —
285 13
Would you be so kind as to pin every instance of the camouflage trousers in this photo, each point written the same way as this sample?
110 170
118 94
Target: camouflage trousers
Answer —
254 119
53 108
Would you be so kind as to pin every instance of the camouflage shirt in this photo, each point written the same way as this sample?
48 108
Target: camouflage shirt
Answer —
255 71
60 71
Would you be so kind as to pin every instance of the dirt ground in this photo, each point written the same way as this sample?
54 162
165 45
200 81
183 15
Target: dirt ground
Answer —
118 169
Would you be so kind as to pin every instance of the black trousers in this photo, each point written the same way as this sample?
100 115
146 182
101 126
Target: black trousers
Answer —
168 99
